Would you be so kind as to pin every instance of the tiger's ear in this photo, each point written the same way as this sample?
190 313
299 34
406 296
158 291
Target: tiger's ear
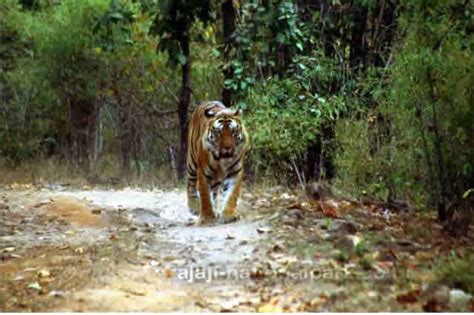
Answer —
238 112
210 112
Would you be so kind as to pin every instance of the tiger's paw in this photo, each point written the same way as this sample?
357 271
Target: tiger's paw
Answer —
193 211
230 216
206 220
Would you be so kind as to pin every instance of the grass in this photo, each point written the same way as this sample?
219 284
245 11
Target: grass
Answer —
108 174
457 273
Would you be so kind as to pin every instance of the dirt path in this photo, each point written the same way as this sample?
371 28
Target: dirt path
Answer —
135 250
127 250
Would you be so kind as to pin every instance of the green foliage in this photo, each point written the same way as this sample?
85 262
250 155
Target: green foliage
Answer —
265 27
59 66
415 143
114 28
285 116
172 23
393 80
433 90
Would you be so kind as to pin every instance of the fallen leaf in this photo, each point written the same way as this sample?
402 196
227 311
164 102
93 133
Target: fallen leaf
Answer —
154 263
328 210
79 250
286 196
410 297
135 291
34 285
228 305
278 247
424 256
295 205
44 273
432 306
15 256
57 294
385 264
263 230
257 273
270 308
169 273
42 203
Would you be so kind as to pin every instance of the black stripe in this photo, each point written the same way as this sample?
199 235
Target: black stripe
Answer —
191 165
193 161
208 177
234 164
193 146
211 168
215 185
191 171
233 173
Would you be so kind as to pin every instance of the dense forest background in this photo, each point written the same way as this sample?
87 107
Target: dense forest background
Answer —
374 97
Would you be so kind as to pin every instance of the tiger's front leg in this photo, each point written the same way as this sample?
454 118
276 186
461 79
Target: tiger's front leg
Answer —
232 192
207 213
193 198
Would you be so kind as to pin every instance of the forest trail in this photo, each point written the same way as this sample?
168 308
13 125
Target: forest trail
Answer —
135 250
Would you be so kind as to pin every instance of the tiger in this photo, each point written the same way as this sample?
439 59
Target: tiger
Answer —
217 144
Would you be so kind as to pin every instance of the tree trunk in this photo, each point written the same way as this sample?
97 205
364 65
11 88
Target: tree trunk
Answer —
319 155
228 23
358 43
183 105
83 118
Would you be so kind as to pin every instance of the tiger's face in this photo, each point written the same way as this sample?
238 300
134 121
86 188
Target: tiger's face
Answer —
225 136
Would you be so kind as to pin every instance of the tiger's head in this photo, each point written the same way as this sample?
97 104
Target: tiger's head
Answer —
225 136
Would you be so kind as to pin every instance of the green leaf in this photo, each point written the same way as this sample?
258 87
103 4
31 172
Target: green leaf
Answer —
468 192
302 66
116 15
280 38
299 45
181 58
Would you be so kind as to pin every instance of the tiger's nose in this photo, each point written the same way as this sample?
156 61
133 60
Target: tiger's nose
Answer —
227 151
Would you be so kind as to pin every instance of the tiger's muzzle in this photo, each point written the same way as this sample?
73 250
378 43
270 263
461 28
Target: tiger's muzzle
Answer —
226 153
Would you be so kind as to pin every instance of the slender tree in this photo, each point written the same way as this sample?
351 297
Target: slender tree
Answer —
173 23
228 26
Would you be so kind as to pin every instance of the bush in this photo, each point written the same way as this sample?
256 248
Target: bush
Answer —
283 120
414 140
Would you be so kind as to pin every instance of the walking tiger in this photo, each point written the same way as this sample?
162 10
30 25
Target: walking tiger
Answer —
217 144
